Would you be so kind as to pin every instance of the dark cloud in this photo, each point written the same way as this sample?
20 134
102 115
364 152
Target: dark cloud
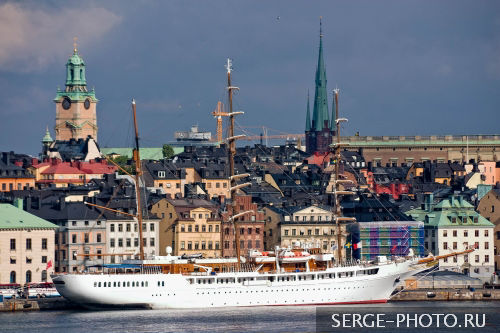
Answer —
402 67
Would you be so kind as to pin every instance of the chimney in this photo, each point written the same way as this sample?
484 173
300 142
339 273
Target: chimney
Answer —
18 203
428 202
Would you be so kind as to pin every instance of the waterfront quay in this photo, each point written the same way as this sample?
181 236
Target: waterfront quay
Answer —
425 295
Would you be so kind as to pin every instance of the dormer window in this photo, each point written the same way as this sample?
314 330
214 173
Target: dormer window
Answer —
161 174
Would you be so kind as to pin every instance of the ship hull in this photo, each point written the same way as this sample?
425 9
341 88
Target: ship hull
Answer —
156 291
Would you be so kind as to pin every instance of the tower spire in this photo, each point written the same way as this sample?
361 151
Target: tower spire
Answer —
320 112
308 114
75 45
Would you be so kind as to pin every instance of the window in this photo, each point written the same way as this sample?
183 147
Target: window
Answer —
309 232
196 245
294 232
242 244
112 227
476 259
190 228
486 233
286 232
151 242
44 243
183 228
44 259
242 231
120 227
73 255
190 245
249 244
44 276
455 233
476 233
486 245
226 231
12 244
86 222
86 237
217 246
249 231
486 258
454 245
196 228
445 233
28 276
466 233
203 245
128 242
453 220
29 260
217 185
99 252
210 245
445 245
136 242
183 244
226 244
316 231
476 220
210 228
144 226
203 228
257 244
12 260
73 238
128 227
112 242
144 242
120 242
216 228
151 227
28 243
98 238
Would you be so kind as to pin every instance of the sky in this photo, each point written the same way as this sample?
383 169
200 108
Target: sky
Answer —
402 67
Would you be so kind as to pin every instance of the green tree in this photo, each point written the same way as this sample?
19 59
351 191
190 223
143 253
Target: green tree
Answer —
126 163
168 151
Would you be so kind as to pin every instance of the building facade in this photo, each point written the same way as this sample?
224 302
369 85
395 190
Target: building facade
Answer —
489 207
26 245
453 225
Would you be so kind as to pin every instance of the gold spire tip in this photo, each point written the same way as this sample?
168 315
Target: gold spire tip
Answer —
75 44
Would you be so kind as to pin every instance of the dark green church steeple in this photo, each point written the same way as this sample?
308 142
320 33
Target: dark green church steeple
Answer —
320 112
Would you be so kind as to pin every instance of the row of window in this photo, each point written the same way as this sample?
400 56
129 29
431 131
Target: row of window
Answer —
29 244
242 244
466 259
227 231
476 245
204 245
197 228
128 242
128 227
119 284
465 233
28 276
309 232
11 186
312 218
29 260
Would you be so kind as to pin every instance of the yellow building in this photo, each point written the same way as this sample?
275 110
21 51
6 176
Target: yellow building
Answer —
189 226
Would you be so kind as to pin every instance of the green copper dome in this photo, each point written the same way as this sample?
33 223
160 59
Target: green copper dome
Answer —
75 70
47 138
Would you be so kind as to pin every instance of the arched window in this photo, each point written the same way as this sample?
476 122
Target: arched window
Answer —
28 276
44 276
13 277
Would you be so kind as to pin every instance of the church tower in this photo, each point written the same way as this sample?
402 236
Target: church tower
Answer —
319 132
75 106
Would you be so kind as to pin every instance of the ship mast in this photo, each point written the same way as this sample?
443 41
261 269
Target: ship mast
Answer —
337 190
233 187
138 172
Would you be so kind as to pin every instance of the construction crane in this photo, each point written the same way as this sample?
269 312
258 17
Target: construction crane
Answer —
218 114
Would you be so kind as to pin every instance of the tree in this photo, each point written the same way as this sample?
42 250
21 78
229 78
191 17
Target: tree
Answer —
126 163
168 151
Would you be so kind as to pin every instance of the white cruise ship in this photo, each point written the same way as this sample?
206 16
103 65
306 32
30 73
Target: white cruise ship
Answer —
201 283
